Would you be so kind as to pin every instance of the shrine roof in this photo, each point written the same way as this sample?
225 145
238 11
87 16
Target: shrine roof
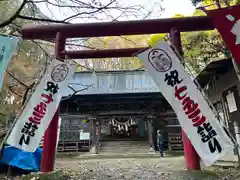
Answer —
213 68
112 82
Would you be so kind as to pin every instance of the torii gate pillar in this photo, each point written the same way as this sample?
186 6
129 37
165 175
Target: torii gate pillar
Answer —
50 136
192 159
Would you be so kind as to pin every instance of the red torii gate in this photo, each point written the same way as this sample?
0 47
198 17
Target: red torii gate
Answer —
60 32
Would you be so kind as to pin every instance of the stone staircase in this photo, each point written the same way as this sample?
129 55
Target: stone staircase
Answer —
124 147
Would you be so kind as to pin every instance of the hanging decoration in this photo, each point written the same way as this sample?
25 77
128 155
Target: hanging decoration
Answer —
126 127
122 125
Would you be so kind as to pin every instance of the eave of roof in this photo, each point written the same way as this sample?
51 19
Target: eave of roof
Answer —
215 67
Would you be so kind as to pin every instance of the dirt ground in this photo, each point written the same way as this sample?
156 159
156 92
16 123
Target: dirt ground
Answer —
168 168
139 169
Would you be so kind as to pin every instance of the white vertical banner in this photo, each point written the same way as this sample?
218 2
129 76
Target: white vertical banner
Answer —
41 107
193 112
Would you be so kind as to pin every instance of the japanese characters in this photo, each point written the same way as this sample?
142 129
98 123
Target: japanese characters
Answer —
39 112
194 114
41 107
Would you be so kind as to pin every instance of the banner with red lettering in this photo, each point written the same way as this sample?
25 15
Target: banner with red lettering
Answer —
227 22
194 114
41 107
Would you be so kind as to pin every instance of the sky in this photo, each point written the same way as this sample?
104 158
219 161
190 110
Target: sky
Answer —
171 7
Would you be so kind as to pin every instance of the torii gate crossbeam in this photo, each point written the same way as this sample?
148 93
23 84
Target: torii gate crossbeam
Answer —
61 32
186 24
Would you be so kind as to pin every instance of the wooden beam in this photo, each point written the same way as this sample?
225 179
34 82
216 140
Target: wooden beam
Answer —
117 113
153 26
107 53
116 97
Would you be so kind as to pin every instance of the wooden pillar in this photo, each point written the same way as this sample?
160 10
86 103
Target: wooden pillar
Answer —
93 149
150 132
191 157
98 134
50 136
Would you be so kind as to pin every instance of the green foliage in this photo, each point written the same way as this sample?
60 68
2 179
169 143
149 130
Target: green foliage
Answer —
6 113
26 66
154 39
201 48
127 63
210 2
8 8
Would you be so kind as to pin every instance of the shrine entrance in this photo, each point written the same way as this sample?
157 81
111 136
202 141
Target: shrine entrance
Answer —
61 32
115 116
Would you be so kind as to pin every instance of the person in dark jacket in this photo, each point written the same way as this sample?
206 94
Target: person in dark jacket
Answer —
160 142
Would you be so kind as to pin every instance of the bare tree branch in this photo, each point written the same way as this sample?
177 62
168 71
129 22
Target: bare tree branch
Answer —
60 11
41 19
26 93
17 80
92 12
75 92
14 92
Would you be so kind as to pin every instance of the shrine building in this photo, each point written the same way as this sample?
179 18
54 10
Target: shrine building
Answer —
116 111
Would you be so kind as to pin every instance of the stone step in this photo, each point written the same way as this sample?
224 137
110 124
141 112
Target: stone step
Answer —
124 146
117 146
124 142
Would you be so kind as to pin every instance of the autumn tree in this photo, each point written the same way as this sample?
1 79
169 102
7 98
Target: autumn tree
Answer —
114 42
218 2
205 46
33 56
200 48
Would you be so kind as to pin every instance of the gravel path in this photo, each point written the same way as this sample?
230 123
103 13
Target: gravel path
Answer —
139 169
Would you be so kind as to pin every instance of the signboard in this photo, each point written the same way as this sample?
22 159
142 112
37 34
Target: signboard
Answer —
8 47
36 116
84 135
194 114
227 22
231 102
